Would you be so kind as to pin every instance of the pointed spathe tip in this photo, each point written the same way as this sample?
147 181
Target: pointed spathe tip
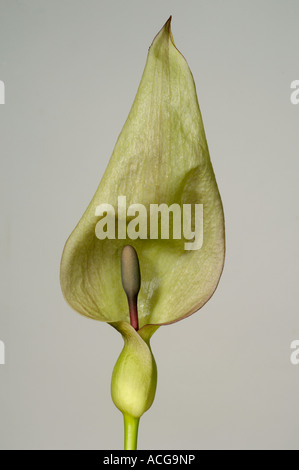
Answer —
166 28
168 22
167 25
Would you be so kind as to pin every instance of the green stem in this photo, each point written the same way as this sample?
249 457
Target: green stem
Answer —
131 432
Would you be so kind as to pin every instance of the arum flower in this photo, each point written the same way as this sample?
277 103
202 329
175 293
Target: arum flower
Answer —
125 277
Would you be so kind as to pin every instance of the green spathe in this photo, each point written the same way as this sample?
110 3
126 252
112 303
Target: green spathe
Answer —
161 156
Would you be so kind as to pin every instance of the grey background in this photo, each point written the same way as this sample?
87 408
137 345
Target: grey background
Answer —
71 70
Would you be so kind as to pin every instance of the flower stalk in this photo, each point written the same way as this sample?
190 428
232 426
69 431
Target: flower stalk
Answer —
131 425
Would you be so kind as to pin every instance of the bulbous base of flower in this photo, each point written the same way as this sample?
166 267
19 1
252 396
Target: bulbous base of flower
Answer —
134 378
